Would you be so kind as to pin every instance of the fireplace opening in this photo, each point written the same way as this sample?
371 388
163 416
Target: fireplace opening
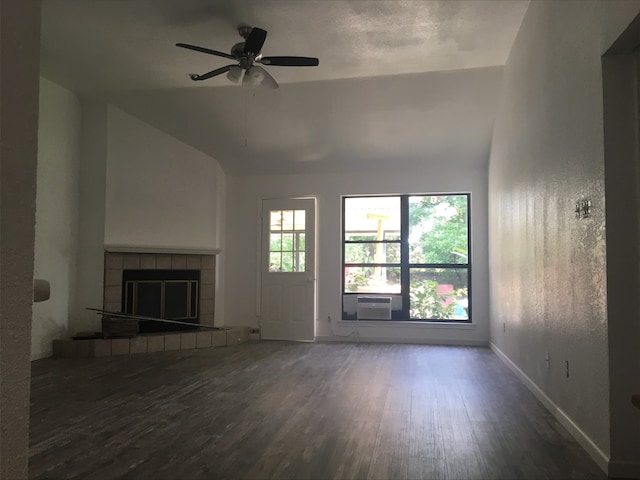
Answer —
166 294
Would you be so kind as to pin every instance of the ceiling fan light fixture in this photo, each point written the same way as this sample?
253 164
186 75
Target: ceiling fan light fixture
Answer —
235 74
252 78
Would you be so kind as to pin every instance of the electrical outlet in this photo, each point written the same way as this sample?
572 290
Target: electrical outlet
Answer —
504 326
547 360
566 368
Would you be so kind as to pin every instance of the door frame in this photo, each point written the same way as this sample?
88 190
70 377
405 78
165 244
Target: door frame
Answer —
259 257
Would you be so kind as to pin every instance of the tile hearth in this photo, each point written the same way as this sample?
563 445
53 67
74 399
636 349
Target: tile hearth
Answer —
149 343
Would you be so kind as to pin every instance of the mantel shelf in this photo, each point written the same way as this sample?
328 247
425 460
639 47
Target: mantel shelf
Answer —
161 250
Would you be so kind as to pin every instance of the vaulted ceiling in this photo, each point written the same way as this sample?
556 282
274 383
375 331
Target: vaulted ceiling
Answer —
400 83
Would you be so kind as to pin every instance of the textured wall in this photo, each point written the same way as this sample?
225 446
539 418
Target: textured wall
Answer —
56 213
19 54
548 269
241 273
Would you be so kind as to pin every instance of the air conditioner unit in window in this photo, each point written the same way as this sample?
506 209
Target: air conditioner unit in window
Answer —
374 308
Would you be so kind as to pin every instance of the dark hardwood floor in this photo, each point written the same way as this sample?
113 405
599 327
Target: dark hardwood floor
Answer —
297 411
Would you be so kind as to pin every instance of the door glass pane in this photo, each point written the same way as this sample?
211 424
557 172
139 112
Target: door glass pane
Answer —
275 262
276 242
287 220
439 293
287 262
276 220
287 241
438 229
299 220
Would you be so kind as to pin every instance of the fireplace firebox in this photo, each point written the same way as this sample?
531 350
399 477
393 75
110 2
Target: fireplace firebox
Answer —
166 294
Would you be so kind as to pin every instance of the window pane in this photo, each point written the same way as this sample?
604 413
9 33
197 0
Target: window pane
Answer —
439 293
372 279
276 220
372 218
358 237
287 262
287 220
438 229
287 242
275 262
299 220
276 242
301 262
372 253
301 242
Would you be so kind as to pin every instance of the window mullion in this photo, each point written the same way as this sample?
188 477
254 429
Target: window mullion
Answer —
404 255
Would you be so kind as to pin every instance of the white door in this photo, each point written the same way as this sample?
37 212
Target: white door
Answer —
288 298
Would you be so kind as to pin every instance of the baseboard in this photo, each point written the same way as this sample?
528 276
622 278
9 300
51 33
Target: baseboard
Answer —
598 456
418 341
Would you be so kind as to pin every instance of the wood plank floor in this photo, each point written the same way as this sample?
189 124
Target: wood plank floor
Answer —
295 411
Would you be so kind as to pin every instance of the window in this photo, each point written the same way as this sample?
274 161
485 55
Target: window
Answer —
414 248
287 241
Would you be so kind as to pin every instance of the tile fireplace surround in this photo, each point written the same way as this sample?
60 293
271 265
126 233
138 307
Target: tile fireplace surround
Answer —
116 262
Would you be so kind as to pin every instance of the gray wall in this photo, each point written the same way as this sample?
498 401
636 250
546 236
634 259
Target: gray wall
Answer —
548 269
19 67
56 213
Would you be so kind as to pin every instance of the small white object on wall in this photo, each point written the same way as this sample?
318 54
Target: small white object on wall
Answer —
41 290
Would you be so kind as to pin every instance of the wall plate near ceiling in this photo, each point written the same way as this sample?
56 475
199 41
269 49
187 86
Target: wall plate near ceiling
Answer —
248 54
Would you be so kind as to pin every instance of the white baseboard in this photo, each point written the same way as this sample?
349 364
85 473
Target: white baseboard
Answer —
582 438
419 341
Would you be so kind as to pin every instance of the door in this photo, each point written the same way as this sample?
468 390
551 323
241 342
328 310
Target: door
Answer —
288 286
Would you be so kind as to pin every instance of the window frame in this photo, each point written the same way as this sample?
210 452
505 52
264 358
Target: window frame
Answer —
404 264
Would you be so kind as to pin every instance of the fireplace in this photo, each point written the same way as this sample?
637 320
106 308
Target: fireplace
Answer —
168 294
173 286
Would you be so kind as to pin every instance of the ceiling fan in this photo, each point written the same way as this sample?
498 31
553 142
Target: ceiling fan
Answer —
248 54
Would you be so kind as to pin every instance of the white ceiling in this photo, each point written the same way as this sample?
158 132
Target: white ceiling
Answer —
400 83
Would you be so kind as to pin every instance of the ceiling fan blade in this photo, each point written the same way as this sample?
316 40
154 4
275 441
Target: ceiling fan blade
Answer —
267 80
212 73
254 42
205 50
291 61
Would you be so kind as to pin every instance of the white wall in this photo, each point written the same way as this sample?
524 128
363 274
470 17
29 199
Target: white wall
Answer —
56 213
160 192
243 207
93 160
548 269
